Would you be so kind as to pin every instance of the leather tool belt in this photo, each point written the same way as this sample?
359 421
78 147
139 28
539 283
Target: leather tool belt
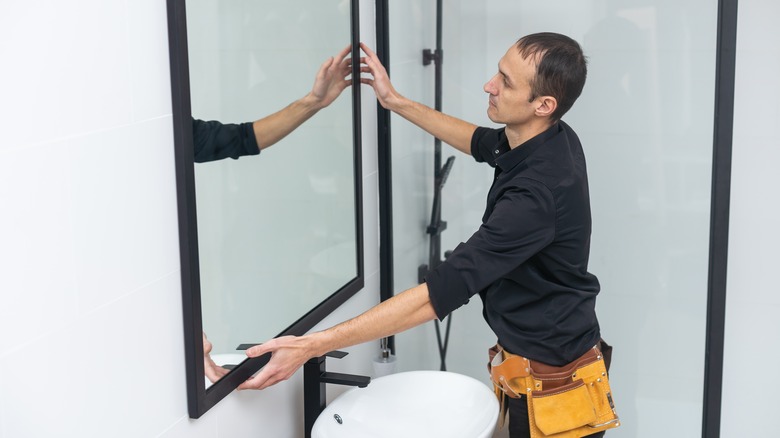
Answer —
571 401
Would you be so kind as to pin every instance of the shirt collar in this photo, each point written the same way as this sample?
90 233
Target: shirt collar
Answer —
507 158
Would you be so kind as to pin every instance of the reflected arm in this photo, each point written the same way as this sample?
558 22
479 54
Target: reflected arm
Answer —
402 312
328 85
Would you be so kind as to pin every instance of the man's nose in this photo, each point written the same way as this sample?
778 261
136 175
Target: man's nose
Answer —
489 87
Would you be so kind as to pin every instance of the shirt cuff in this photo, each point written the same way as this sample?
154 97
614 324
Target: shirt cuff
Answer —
250 146
446 290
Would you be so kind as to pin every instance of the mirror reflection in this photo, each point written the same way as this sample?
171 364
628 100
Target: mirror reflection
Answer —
276 228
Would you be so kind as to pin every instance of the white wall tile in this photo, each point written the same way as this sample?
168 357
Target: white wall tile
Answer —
3 430
69 69
37 266
104 372
752 301
203 427
149 63
275 411
754 107
757 28
119 178
753 236
751 335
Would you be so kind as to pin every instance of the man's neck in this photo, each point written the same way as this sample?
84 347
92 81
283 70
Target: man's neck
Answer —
517 135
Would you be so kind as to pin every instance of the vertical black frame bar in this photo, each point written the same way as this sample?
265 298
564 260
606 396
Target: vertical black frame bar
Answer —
719 216
385 163
200 399
185 177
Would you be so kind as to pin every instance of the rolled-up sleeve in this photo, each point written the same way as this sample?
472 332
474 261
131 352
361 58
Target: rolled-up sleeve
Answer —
520 225
483 143
215 141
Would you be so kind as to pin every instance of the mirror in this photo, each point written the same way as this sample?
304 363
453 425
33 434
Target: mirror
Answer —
271 243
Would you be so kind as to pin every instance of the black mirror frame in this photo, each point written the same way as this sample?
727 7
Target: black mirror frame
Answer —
199 398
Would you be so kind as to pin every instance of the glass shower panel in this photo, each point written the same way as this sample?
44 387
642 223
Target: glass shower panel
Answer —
645 121
412 150
412 25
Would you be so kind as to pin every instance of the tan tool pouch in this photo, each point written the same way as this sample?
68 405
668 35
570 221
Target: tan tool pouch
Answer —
571 401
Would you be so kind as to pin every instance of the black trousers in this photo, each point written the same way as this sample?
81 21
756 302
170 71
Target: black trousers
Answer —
518 419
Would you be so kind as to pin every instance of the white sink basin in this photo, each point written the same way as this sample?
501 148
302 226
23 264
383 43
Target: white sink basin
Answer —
421 404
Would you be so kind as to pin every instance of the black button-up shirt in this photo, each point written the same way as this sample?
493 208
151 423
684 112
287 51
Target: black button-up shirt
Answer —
529 259
214 140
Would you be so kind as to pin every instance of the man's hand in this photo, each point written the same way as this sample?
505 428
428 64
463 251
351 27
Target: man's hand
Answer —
288 353
213 371
330 80
379 80
448 129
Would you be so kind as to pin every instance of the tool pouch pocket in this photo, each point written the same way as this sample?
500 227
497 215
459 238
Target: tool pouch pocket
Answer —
572 400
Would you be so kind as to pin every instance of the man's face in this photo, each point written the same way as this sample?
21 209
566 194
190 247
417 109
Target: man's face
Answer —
510 90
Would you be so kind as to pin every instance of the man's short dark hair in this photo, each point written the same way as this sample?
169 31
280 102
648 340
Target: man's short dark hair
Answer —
561 68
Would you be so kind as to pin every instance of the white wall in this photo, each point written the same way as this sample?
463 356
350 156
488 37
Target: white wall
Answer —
753 294
90 317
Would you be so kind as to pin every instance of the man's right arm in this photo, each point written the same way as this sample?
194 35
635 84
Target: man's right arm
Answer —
451 130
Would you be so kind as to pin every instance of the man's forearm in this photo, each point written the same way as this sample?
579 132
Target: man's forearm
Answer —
401 312
289 353
451 130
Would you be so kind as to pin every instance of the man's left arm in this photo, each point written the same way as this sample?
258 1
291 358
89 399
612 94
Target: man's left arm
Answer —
401 312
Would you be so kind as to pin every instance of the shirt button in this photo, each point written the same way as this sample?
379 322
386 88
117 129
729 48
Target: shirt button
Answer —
496 151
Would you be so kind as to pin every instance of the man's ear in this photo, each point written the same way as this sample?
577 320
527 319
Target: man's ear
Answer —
546 105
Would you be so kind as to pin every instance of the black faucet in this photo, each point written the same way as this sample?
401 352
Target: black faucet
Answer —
314 379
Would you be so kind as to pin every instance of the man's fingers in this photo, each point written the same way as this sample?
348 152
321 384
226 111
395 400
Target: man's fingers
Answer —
259 350
368 51
268 376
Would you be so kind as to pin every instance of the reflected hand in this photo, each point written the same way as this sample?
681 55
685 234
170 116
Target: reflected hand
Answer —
213 371
288 353
330 80
379 80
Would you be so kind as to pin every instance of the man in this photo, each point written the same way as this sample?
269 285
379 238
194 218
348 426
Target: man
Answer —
528 260
214 140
